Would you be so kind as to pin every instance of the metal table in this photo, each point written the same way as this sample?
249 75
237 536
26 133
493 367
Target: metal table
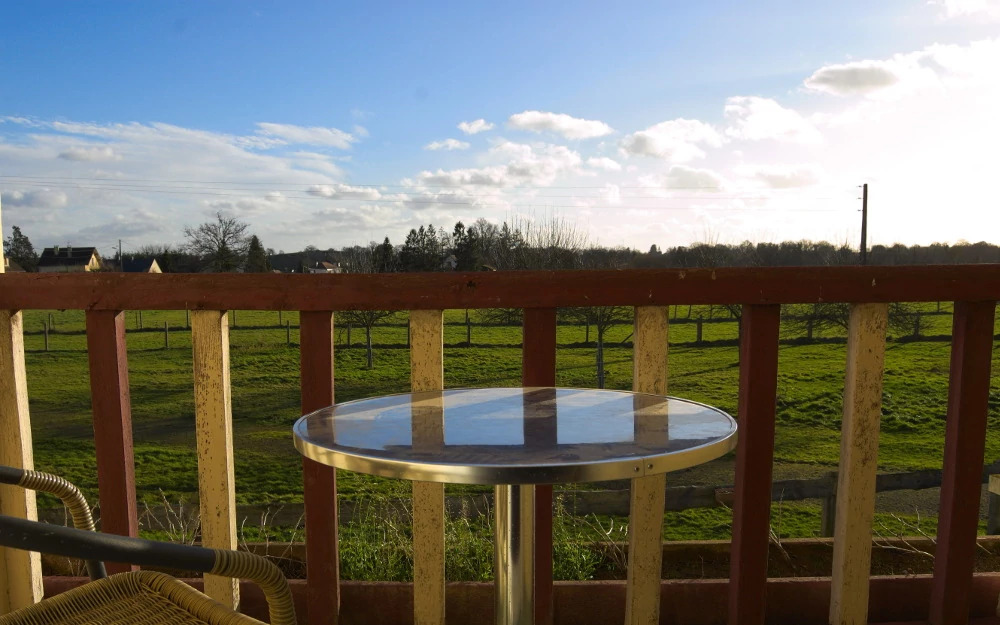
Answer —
513 438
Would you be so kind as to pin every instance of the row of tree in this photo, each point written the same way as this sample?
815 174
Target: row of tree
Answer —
222 245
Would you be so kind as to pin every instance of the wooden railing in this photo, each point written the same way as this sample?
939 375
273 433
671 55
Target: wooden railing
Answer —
974 289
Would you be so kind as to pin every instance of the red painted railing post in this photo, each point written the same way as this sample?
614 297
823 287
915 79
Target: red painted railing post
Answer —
965 441
539 369
754 456
319 481
112 415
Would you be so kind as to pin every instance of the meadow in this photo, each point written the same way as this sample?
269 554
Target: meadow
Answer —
264 368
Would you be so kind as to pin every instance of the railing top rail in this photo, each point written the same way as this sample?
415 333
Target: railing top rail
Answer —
512 289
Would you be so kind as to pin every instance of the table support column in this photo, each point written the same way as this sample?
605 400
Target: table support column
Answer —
513 570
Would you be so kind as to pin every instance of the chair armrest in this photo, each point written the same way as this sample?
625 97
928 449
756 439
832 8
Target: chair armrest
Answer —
70 495
73 543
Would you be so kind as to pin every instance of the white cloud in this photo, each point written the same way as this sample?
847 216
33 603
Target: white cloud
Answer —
485 176
681 177
782 176
93 154
135 223
344 191
475 127
559 123
677 140
40 198
934 67
246 206
516 165
447 144
753 118
964 8
307 135
316 161
852 78
605 163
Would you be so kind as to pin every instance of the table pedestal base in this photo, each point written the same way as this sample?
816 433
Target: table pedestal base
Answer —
513 554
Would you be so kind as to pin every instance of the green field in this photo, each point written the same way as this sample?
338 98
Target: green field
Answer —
265 363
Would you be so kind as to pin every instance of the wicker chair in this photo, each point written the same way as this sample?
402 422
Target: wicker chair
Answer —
138 597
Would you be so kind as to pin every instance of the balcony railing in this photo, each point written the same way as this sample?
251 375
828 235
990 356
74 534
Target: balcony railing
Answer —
954 593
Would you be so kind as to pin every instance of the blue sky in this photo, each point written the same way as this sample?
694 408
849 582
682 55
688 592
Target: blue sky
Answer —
639 123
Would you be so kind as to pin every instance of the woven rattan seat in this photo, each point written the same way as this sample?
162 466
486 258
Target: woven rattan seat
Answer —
138 598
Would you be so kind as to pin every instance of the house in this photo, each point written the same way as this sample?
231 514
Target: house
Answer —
69 259
324 267
10 266
140 264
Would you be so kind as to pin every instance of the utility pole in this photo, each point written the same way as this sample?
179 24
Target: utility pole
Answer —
119 255
864 224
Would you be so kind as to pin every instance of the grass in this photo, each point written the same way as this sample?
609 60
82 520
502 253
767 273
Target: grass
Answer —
264 371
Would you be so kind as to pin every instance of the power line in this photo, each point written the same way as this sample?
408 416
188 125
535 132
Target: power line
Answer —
356 185
310 195
518 202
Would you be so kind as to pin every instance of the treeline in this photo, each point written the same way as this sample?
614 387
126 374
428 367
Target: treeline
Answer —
226 244
558 245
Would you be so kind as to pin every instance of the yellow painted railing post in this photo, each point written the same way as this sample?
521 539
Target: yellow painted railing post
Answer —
214 430
852 538
427 374
645 552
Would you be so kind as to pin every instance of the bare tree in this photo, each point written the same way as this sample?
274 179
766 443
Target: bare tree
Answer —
808 318
601 317
221 244
368 259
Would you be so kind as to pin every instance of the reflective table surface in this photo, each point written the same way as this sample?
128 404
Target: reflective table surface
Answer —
516 435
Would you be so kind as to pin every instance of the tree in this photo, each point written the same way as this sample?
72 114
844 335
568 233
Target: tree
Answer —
386 258
602 318
221 244
809 318
19 249
423 250
368 259
257 260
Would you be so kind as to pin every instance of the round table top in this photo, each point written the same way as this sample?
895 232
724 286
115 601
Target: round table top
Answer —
515 435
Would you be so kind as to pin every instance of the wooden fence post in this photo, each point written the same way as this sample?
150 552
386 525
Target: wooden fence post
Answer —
427 374
214 431
645 536
698 331
993 515
288 333
754 460
112 417
316 364
964 446
45 328
166 336
855 498
828 515
538 368
20 571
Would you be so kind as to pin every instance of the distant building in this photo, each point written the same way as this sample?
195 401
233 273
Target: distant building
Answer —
69 259
145 264
325 267
10 266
